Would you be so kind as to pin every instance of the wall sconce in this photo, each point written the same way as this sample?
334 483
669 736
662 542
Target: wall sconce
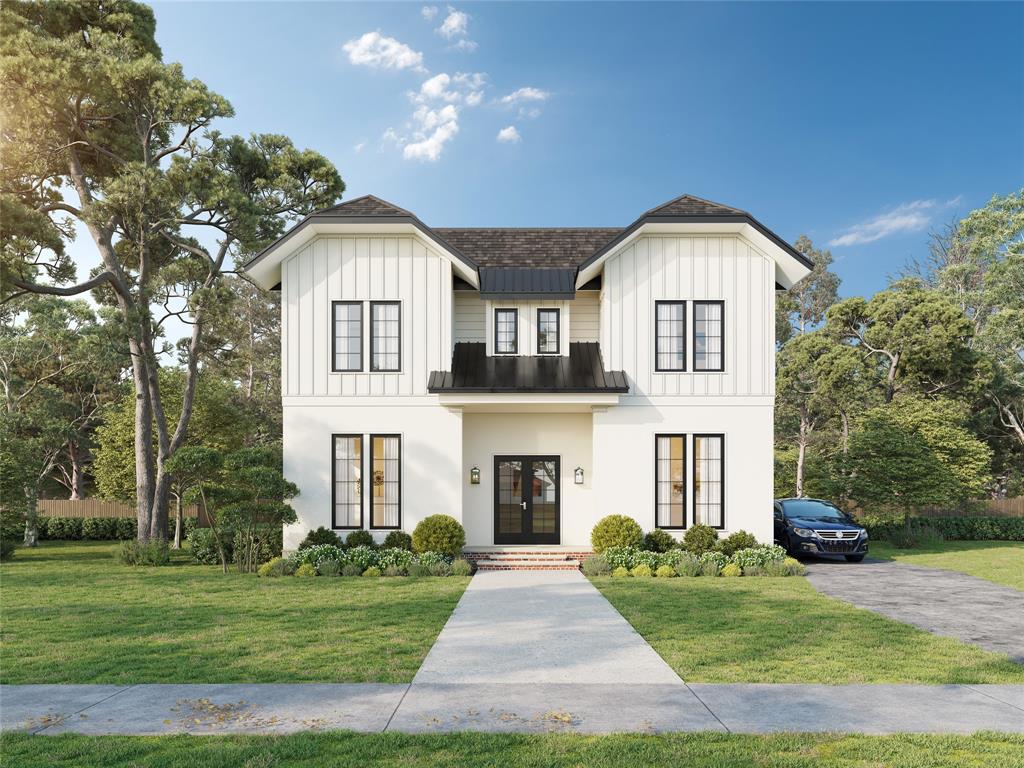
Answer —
578 476
474 476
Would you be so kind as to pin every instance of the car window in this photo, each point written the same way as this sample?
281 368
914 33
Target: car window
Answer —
778 512
812 508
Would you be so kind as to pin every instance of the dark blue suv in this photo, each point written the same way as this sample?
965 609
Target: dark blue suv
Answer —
813 526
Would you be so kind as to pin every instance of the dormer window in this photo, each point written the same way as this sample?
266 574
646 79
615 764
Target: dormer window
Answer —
547 331
506 331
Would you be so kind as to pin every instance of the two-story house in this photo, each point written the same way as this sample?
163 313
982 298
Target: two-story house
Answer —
529 381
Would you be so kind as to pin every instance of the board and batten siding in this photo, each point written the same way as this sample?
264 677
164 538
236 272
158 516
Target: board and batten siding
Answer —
365 268
726 268
469 317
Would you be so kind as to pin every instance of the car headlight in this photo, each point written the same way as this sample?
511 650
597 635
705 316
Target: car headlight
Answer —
805 532
863 534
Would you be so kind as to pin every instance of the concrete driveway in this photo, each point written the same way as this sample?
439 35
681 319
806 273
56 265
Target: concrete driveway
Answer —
943 602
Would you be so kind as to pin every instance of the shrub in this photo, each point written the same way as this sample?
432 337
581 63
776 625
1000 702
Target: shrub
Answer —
665 572
273 568
329 568
394 570
659 541
372 571
673 557
760 555
64 528
787 567
12 527
596 565
710 568
153 552
462 568
127 528
630 557
688 566
305 571
314 554
620 573
714 557
756 570
363 556
731 569
398 540
392 557
734 542
952 528
360 539
700 539
432 558
7 548
202 543
642 571
320 536
246 548
418 570
615 531
351 569
42 526
99 528
439 533
439 569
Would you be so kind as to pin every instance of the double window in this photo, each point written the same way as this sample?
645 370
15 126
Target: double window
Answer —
348 481
708 336
547 331
506 331
385 336
707 483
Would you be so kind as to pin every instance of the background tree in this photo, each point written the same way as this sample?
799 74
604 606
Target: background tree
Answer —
803 306
98 129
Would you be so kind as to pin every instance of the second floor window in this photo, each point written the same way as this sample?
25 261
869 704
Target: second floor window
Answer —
670 335
708 336
547 331
506 331
385 336
348 336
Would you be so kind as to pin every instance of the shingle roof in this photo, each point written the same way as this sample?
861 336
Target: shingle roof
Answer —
581 371
688 205
528 247
367 205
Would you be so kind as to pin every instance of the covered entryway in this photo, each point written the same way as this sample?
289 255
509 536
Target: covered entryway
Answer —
527 506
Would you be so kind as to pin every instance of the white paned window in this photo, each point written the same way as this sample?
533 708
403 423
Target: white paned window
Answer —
386 498
347 476
385 336
670 330
348 336
708 336
506 331
670 481
547 331
709 480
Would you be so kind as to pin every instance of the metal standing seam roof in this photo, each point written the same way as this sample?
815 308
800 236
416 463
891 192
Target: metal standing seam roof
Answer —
528 283
581 371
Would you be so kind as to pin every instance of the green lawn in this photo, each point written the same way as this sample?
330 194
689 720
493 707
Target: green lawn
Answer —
701 750
998 561
781 630
70 614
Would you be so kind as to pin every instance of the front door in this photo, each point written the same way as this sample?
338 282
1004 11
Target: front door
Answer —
526 500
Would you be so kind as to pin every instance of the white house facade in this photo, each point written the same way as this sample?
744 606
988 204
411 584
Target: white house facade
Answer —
529 382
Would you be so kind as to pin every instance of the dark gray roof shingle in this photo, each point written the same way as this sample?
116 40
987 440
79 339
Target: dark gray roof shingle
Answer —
527 247
367 205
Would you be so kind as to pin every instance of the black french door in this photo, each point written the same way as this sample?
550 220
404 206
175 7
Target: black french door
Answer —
527 500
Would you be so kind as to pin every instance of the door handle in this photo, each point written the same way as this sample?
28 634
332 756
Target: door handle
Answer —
524 505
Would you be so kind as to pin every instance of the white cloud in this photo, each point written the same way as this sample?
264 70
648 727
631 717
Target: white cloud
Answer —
455 24
509 135
429 12
359 147
465 86
525 94
437 88
434 129
464 45
914 216
375 50
474 98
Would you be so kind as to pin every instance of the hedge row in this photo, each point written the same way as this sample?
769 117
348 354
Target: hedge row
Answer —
954 528
96 528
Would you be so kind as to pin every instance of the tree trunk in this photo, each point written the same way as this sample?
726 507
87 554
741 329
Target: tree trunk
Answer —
31 518
143 446
846 431
801 456
178 521
890 379
77 472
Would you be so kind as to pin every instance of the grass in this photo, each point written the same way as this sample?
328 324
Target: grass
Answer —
71 614
998 561
699 750
781 630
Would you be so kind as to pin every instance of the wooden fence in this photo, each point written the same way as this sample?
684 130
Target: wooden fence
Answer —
96 508
987 508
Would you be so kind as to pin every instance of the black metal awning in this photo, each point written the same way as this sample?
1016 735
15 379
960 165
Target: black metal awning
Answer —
582 371
527 283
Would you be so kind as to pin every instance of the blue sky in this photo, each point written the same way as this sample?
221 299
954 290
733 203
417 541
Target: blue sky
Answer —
863 125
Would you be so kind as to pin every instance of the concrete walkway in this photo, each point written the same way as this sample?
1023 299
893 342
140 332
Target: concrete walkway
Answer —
948 603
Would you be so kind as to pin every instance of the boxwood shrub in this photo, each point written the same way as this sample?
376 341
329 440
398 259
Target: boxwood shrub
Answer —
615 531
952 528
439 533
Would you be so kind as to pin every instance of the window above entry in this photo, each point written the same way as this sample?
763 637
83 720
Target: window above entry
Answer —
506 331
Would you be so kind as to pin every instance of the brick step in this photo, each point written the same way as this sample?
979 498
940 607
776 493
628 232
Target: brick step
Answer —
536 556
509 564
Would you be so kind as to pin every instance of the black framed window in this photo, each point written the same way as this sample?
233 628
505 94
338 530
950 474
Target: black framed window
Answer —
385 336
547 331
347 344
670 335
709 480
670 481
709 335
386 474
346 482
506 331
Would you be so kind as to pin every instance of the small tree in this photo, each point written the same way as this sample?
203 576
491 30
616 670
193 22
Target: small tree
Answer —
196 470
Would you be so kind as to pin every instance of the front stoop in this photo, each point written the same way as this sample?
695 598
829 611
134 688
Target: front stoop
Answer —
526 559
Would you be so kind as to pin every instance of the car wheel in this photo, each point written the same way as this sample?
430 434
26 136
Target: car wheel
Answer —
854 558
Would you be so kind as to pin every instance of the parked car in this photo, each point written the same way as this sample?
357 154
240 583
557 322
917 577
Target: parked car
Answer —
813 526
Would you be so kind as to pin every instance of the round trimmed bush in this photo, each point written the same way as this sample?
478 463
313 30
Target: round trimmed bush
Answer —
731 569
700 539
373 570
439 533
359 539
320 536
398 540
642 571
620 573
615 531
272 568
665 572
734 542
305 571
659 541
